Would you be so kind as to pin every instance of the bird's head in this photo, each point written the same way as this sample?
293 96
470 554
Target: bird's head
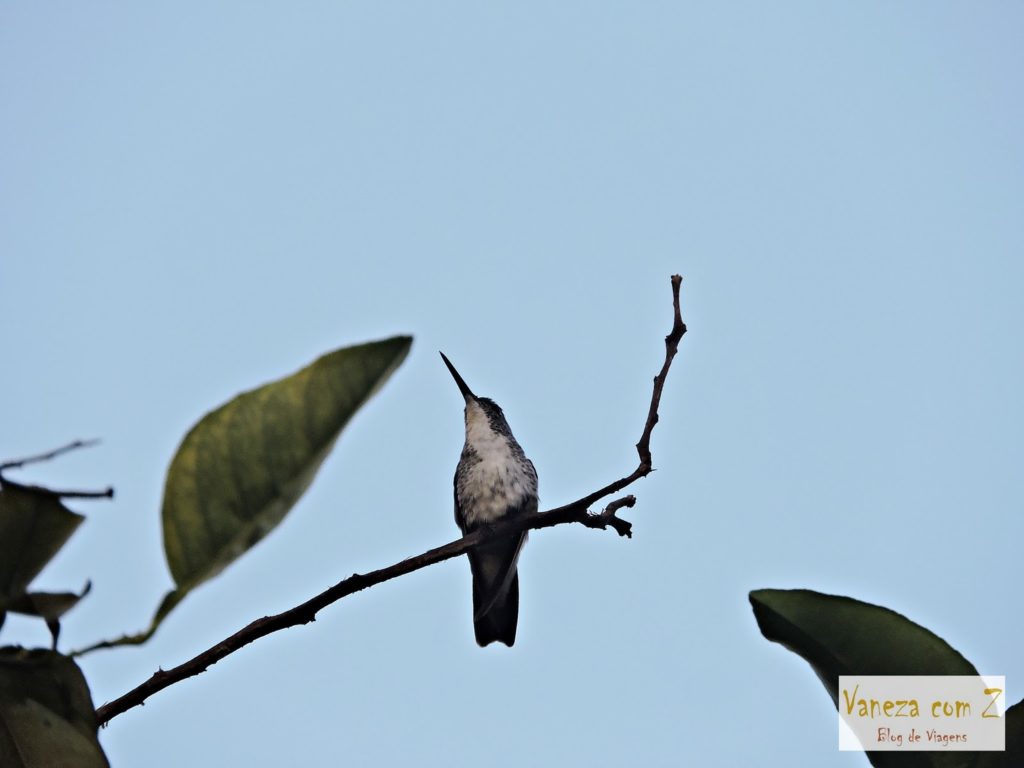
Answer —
483 415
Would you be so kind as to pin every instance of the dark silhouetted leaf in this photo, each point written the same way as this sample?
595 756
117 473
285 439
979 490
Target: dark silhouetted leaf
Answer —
842 636
49 606
1013 757
34 525
47 716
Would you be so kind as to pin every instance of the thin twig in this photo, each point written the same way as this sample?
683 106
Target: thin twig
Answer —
106 493
643 447
18 463
576 512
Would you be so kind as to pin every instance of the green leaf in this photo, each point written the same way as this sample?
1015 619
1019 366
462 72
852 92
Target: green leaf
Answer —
842 636
47 716
34 525
244 465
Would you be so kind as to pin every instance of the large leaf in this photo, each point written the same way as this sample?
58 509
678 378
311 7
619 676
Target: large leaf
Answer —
46 713
842 636
34 525
244 465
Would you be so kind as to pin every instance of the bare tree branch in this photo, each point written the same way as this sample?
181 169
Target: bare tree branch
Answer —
106 493
575 512
18 463
643 447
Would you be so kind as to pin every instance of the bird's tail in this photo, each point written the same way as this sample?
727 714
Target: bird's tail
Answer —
499 621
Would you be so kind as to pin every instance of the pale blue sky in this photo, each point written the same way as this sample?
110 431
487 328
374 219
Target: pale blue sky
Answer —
197 198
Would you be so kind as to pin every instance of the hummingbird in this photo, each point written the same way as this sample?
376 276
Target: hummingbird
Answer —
494 481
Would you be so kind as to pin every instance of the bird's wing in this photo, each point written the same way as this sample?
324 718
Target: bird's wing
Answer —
460 520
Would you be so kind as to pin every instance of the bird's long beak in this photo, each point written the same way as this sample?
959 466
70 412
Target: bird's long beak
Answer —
467 393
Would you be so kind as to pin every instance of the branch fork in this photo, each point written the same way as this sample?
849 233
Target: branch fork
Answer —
607 518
